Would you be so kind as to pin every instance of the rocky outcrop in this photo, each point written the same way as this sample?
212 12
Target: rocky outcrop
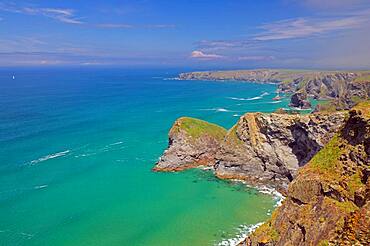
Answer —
322 85
329 201
345 88
258 76
299 100
192 143
262 149
268 149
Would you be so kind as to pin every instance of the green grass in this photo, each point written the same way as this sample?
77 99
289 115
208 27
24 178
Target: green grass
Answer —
364 107
232 136
323 243
363 78
196 128
327 158
346 206
354 183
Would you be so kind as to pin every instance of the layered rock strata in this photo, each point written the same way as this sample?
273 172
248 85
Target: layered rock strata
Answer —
329 201
262 149
343 88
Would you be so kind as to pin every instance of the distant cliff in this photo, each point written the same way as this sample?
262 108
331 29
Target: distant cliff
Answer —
344 88
262 149
329 201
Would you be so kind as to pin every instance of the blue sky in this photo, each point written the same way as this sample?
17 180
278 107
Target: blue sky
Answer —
327 34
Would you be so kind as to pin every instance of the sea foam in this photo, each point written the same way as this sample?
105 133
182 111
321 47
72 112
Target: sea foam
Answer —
50 156
217 109
244 231
250 98
245 99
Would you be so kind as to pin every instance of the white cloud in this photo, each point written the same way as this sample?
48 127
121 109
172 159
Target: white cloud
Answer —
331 4
59 14
256 58
114 26
200 55
213 45
127 26
305 27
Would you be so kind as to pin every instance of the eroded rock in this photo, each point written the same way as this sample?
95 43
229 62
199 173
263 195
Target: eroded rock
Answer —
329 201
262 149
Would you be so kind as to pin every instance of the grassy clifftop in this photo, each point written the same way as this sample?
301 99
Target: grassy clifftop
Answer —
195 128
192 143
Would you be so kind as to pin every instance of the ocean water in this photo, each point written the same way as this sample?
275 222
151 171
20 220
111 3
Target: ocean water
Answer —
77 148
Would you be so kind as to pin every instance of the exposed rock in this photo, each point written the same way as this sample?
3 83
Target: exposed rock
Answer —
343 87
258 76
260 148
329 201
192 143
299 100
269 148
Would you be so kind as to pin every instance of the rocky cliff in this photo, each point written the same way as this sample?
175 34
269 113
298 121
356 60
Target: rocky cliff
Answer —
262 149
192 143
258 76
329 201
345 88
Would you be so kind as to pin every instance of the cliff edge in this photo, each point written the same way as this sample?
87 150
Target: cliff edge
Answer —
261 149
343 88
329 201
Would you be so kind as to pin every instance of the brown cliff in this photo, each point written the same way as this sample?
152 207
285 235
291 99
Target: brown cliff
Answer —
261 149
329 201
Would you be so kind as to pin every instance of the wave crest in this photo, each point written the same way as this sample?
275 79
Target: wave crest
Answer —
50 156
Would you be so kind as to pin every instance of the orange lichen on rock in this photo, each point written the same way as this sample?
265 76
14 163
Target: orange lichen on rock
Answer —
329 201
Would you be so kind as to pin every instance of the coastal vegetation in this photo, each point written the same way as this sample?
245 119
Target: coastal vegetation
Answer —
328 203
320 161
196 128
342 89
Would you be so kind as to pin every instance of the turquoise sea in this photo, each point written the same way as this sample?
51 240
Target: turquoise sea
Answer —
76 151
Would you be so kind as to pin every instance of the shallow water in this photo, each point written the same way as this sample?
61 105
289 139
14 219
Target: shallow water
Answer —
77 148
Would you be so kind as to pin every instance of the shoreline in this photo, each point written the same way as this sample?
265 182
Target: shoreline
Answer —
246 230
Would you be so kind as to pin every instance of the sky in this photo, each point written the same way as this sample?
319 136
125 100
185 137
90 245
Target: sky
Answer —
307 34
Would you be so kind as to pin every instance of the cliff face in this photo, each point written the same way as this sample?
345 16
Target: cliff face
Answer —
260 149
329 201
344 88
321 84
259 76
299 100
269 148
192 143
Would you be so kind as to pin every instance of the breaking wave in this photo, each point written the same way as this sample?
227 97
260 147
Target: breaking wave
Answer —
250 98
274 102
245 99
218 110
50 156
244 231
40 187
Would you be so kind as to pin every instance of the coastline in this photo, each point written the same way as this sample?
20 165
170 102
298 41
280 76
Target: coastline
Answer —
246 230
307 132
